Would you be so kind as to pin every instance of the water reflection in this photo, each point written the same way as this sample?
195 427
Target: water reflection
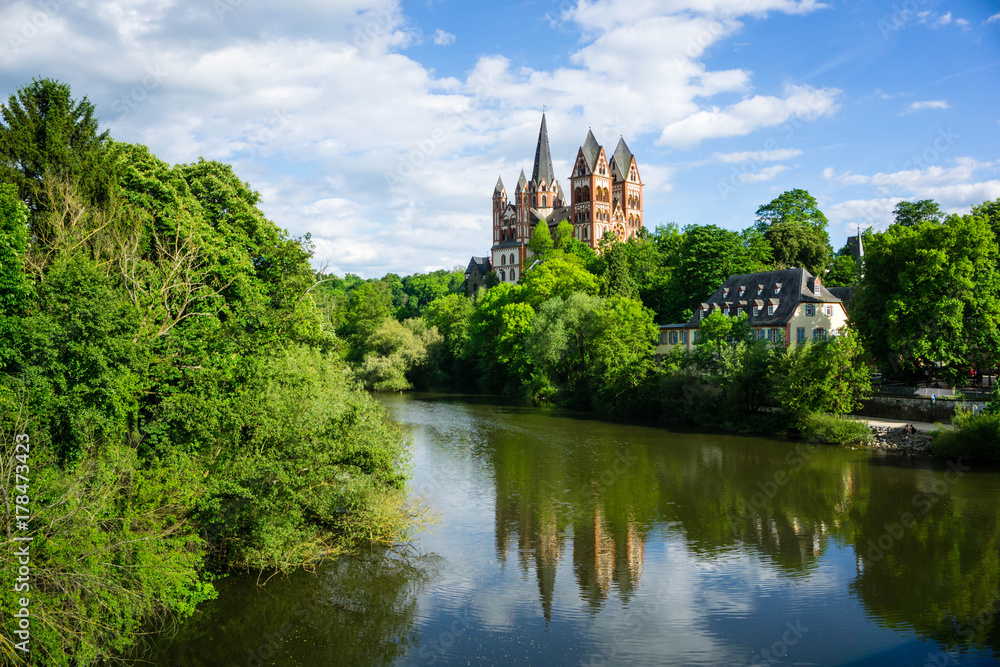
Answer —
926 551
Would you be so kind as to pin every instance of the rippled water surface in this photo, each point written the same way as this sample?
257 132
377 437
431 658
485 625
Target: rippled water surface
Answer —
562 540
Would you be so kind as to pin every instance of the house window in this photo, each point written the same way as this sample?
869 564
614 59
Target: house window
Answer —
810 310
777 335
770 310
776 290
742 290
816 288
684 338
819 333
760 334
756 311
759 291
737 312
673 338
704 312
725 311
800 334
828 310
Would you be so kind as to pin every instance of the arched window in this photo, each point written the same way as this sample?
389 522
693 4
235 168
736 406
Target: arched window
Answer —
576 194
513 275
503 276
545 201
586 193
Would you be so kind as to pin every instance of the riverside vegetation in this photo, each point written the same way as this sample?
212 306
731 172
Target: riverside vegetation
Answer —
188 408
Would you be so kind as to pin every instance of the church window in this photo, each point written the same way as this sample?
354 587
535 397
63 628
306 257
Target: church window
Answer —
503 276
544 201
513 275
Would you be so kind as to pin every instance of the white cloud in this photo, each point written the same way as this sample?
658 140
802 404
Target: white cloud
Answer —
955 188
994 19
803 103
295 97
759 156
927 104
442 38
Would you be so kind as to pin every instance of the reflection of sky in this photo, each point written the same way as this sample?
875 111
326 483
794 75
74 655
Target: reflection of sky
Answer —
688 609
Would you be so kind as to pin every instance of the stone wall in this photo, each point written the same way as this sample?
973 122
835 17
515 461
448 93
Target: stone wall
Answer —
912 408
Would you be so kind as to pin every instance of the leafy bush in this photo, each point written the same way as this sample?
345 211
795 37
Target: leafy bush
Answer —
830 429
973 437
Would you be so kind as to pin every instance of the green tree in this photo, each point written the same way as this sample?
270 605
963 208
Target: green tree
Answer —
990 211
929 297
795 229
563 235
794 206
556 277
707 256
497 331
15 289
908 213
46 134
617 279
541 243
369 305
823 376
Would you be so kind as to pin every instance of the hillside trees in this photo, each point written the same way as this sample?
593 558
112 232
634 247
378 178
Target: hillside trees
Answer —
795 229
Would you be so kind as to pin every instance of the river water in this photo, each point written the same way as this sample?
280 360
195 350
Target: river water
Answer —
565 540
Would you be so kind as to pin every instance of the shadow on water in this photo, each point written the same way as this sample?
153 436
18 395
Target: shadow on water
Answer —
357 610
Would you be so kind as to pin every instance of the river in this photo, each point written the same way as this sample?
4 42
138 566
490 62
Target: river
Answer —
566 540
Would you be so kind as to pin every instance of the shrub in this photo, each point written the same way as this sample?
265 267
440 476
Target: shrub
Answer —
974 437
829 429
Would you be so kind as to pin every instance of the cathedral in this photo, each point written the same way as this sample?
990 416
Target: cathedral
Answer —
606 197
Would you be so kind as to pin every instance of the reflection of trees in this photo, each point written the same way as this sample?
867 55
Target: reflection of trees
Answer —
781 501
940 575
352 611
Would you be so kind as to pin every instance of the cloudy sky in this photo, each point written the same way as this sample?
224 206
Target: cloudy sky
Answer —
381 126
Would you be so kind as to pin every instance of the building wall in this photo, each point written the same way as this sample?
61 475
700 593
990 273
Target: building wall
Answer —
819 320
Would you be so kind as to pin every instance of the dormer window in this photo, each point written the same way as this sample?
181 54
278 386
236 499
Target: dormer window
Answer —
725 292
725 311
770 310
742 290
756 311
777 289
817 287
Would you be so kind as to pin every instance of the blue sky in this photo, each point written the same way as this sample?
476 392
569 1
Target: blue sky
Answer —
381 126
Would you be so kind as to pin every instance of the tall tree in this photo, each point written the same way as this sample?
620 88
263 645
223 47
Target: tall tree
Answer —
795 229
45 133
929 297
909 213
617 279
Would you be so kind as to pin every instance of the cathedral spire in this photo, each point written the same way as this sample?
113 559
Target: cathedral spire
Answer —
543 159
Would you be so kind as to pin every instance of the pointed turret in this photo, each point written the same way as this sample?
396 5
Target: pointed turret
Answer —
622 160
499 189
591 150
543 170
522 183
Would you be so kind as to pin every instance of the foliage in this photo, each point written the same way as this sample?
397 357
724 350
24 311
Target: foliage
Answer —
823 428
908 213
929 297
617 280
15 289
45 134
400 353
707 256
563 235
497 329
541 243
824 376
795 230
556 277
561 343
973 437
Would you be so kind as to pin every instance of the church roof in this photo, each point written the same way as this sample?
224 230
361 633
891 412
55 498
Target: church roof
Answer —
499 188
622 160
591 149
543 170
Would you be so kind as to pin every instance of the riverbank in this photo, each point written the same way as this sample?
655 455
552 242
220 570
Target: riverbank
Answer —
893 435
